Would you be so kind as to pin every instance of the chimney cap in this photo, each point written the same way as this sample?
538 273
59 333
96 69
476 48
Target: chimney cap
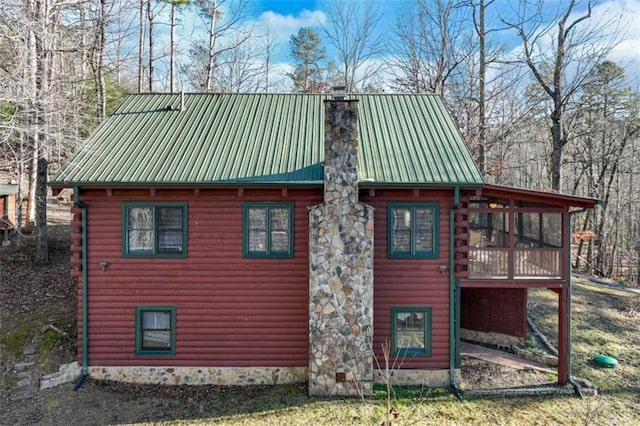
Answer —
339 92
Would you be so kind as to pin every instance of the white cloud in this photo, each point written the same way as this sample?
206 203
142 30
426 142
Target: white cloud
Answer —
285 26
617 23
627 52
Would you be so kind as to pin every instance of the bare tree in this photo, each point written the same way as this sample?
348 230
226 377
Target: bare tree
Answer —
481 31
52 85
559 68
141 43
353 30
98 60
224 32
606 128
270 46
172 43
432 42
151 14
120 48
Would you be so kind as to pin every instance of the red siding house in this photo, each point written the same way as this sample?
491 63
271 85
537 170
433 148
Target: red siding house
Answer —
261 238
8 219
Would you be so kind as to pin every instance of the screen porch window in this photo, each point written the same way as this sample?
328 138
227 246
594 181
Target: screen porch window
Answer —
154 230
411 331
268 230
518 240
413 230
155 330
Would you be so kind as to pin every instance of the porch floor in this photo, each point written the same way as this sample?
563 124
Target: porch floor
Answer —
501 358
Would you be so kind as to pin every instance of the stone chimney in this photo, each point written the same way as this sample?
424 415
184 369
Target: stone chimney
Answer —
341 266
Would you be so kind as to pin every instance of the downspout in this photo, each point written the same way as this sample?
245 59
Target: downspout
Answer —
575 386
84 264
453 296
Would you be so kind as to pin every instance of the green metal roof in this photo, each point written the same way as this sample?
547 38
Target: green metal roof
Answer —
267 139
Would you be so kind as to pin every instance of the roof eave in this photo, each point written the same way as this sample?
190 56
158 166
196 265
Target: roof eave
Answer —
245 183
569 200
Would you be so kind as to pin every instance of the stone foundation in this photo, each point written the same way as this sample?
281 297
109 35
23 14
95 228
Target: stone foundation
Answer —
243 376
229 376
426 378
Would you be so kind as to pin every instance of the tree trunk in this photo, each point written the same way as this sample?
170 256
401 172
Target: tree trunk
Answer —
98 73
481 89
43 77
556 153
141 39
42 251
33 177
172 61
212 45
150 18
20 201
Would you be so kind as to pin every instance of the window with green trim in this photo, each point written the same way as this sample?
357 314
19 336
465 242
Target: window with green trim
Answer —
155 330
154 230
411 331
413 230
267 230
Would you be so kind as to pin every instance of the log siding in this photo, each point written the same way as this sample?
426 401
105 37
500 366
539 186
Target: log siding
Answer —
240 312
231 311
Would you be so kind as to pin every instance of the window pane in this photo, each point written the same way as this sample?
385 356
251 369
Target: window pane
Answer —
280 241
156 339
279 219
424 219
401 230
258 218
170 241
140 227
169 229
155 330
169 218
424 241
498 233
531 225
402 241
410 330
424 230
141 241
279 230
156 320
552 229
258 241
140 218
401 219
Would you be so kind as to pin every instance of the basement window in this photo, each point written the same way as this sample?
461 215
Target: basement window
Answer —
155 330
267 230
154 230
413 230
411 332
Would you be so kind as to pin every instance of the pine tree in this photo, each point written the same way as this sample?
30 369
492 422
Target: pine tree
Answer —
308 53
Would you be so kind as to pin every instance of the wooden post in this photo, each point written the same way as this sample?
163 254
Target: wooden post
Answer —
563 335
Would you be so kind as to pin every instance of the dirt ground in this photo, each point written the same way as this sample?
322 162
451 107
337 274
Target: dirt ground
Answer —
37 320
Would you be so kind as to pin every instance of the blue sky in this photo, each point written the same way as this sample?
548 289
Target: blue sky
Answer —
293 14
286 7
286 17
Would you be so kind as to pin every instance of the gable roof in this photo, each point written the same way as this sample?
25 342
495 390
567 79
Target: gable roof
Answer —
267 139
